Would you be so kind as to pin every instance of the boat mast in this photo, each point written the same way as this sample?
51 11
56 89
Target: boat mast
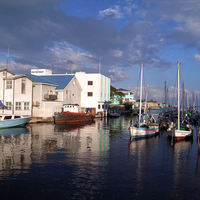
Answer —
141 74
165 97
146 100
178 100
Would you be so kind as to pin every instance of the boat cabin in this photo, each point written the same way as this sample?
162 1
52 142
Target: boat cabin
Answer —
8 117
70 108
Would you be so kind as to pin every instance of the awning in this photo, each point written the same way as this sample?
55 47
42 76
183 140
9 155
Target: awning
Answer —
1 104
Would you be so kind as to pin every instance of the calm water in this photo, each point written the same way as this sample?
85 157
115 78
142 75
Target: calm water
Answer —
95 161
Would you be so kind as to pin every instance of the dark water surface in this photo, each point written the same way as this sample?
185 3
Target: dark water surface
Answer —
96 161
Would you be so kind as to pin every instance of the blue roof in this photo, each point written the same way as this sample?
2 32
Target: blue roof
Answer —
60 80
121 89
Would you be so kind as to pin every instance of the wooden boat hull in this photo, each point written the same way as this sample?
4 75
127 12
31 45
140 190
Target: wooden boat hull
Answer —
13 122
143 132
70 118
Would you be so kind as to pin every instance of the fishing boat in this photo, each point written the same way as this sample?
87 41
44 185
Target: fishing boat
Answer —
70 115
180 132
143 128
8 121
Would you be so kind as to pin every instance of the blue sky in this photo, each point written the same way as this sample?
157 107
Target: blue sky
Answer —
74 35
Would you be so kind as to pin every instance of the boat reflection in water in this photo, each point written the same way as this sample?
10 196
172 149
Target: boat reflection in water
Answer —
13 131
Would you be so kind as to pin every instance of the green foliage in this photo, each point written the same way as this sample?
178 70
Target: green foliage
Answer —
114 93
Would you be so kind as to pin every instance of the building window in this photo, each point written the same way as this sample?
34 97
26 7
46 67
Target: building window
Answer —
66 94
99 106
26 106
90 94
102 106
70 94
90 82
9 105
18 106
9 84
23 87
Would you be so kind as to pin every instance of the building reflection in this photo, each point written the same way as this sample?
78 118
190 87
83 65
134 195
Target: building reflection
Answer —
21 147
15 147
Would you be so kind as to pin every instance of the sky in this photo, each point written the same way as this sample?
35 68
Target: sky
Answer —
112 37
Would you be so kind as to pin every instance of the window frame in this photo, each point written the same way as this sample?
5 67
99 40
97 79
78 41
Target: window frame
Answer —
26 105
90 94
23 86
90 82
8 84
18 105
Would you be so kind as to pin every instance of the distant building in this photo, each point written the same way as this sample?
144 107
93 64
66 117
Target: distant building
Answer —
129 97
40 72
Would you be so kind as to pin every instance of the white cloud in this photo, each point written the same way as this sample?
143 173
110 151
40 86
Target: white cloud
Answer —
111 13
197 56
117 74
117 53
129 8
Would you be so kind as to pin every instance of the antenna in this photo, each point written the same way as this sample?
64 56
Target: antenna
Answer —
8 56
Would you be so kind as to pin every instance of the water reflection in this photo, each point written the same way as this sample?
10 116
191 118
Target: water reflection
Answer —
15 147
20 147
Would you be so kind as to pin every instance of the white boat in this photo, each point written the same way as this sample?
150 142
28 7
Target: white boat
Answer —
182 132
143 128
8 121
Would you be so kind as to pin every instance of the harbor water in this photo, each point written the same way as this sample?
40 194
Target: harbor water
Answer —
96 161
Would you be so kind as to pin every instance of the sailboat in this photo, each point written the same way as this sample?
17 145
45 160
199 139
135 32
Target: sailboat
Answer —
142 128
184 132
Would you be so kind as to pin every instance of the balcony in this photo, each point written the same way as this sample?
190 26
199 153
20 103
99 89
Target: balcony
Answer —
50 97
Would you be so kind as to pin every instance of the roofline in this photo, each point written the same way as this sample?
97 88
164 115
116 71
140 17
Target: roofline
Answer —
42 83
1 70
18 76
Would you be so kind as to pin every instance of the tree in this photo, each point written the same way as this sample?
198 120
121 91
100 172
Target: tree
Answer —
114 93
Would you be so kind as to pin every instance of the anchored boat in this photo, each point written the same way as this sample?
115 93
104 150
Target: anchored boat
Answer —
69 117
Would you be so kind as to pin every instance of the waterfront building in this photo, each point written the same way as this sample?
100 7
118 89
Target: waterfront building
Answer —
51 91
95 91
15 93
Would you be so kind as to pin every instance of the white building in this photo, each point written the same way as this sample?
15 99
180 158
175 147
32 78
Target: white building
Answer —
16 93
40 72
50 92
95 91
89 91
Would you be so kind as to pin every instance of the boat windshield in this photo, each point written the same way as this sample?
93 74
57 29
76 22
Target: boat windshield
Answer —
16 117
7 117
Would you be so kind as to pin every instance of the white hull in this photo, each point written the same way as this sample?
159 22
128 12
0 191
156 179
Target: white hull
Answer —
141 132
180 134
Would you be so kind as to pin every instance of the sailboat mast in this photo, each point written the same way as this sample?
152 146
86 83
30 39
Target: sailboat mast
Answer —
140 111
165 97
178 100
